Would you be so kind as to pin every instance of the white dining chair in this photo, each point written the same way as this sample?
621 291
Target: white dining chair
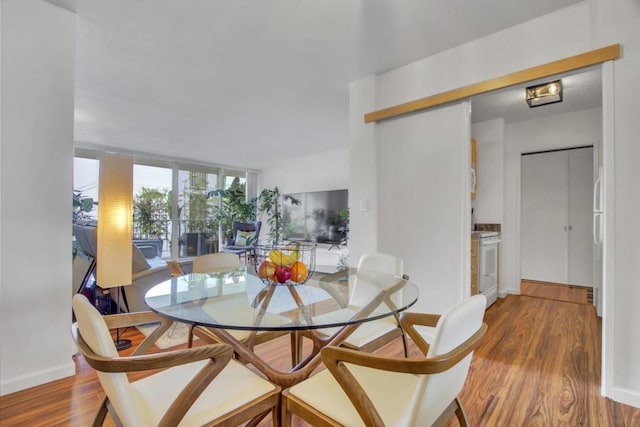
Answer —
363 389
197 386
370 335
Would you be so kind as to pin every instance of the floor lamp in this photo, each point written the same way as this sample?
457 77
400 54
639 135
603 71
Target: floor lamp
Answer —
115 217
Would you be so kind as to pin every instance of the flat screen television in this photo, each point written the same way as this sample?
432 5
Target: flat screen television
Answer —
315 216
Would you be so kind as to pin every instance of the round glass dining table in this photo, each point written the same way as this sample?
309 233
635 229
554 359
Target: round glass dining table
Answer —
227 301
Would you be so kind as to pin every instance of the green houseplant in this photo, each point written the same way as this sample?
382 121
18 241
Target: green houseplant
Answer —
269 204
232 205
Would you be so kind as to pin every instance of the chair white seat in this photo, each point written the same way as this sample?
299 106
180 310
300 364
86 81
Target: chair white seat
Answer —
427 332
372 334
366 331
324 393
235 386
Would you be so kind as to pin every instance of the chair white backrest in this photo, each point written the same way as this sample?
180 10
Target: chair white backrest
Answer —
95 333
360 293
212 262
435 392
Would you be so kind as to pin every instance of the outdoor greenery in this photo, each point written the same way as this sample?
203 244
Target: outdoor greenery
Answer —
151 213
82 206
201 210
196 208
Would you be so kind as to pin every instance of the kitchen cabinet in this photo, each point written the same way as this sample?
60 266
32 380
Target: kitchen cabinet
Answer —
474 168
474 265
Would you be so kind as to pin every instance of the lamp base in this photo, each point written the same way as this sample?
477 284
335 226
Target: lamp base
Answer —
122 344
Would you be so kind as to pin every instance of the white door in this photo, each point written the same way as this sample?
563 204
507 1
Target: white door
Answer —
545 192
557 217
581 217
423 201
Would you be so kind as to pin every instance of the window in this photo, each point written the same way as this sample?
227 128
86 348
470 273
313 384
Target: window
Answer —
198 231
85 187
152 205
186 229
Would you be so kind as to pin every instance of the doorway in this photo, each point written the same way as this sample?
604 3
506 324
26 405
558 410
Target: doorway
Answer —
547 129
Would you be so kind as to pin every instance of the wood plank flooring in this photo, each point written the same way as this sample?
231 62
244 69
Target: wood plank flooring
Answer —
556 291
538 365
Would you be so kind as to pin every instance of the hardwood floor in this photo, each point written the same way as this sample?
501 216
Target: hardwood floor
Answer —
556 291
539 364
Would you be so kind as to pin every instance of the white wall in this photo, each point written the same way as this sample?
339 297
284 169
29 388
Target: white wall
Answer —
423 193
618 22
38 58
489 171
363 184
525 45
320 172
560 131
579 28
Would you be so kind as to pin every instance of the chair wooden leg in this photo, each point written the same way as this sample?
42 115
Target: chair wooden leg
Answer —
101 414
285 415
462 417
405 347
276 414
190 336
296 348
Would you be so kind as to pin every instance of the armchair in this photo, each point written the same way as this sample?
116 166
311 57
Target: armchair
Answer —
201 386
359 388
244 240
147 272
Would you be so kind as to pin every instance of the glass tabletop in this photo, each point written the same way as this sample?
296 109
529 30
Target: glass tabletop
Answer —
238 299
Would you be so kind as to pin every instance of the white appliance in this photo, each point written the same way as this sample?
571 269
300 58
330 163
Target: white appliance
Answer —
488 269
598 234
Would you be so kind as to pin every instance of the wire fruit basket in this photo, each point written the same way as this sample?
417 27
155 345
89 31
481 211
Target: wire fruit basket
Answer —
291 264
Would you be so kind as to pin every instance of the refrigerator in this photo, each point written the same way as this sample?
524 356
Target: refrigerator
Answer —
598 236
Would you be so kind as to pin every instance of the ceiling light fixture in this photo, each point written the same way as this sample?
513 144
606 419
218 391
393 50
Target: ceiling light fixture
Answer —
547 93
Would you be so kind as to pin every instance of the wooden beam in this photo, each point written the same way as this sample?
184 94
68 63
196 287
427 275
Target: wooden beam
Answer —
571 63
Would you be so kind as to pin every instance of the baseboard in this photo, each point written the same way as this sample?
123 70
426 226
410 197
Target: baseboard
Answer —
504 292
37 378
628 397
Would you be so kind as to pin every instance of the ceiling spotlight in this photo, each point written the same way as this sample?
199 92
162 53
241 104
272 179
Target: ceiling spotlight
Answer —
547 93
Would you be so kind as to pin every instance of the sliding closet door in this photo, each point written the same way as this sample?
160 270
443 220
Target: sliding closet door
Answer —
424 200
556 216
581 216
545 193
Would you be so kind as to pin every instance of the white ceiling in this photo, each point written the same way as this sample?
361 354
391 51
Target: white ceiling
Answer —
248 83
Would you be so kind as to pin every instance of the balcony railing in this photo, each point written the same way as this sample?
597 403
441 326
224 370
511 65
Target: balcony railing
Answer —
195 237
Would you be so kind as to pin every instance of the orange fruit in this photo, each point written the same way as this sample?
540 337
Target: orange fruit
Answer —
299 272
267 270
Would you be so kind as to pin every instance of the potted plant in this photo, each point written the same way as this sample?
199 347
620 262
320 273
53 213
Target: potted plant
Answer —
269 204
343 259
232 206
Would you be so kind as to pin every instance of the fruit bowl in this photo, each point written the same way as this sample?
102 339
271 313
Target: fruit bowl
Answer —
290 264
